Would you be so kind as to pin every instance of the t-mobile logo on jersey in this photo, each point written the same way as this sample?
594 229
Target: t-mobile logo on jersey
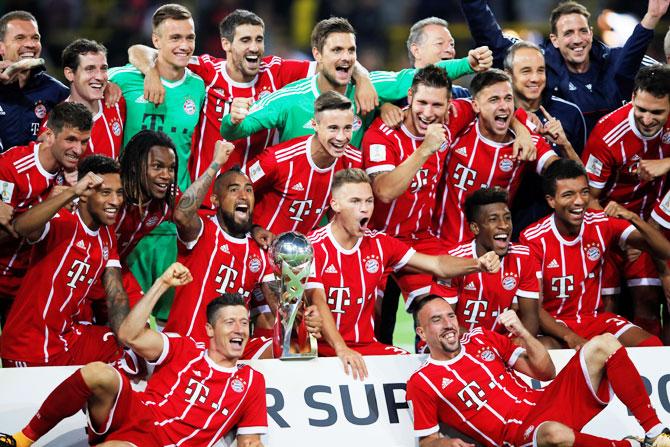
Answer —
563 285
197 391
472 394
299 209
464 176
475 309
226 277
340 296
77 272
420 180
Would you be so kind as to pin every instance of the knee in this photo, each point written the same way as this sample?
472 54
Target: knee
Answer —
602 346
99 375
554 434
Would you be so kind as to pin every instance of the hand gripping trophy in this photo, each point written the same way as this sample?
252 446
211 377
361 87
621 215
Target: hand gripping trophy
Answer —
291 256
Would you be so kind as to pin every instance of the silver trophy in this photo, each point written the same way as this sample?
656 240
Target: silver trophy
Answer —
291 257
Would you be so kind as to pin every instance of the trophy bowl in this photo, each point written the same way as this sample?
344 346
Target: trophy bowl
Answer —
291 248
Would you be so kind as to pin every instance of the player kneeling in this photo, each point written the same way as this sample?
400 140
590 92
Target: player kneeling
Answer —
177 407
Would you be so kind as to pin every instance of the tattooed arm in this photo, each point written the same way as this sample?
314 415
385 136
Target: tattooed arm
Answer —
186 214
117 299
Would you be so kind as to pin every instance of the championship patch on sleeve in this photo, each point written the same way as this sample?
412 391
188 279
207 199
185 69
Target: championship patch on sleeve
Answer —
665 204
377 152
256 172
594 166
6 191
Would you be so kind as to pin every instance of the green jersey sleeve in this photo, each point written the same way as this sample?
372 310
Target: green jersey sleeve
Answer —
268 112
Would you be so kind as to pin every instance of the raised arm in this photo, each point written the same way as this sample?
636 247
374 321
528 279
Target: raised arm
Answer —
645 237
186 213
268 112
366 96
133 331
485 29
144 59
446 266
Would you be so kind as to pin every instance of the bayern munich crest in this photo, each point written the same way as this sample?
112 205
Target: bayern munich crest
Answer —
40 110
152 221
509 282
116 128
666 137
358 123
254 265
487 355
372 266
506 165
593 253
237 385
189 106
105 252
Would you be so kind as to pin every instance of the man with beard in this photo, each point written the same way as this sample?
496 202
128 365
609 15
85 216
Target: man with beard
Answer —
479 298
471 385
571 246
291 108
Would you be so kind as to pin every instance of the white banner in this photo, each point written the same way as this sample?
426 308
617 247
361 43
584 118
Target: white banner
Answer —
315 403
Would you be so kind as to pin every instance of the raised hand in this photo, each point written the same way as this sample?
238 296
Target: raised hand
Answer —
480 59
176 275
489 262
239 109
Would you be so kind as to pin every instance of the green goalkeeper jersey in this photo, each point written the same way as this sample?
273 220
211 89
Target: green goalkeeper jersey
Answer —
177 116
291 108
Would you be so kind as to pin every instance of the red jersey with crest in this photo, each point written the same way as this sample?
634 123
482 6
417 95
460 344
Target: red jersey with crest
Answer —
481 297
274 74
571 268
612 156
476 392
349 278
410 214
476 162
107 131
135 222
65 262
292 192
23 183
195 402
219 263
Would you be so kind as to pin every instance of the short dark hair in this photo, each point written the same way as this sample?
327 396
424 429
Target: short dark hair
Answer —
170 11
420 303
349 175
229 24
561 169
227 299
488 78
565 8
431 76
69 114
97 164
134 161
482 197
14 15
654 80
326 27
71 53
235 169
331 100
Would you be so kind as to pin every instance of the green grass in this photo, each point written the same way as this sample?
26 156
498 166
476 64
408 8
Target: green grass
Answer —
403 335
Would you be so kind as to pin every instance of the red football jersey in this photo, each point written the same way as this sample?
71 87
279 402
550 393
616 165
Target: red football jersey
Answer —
476 162
107 131
410 215
134 223
661 213
219 263
209 400
571 269
475 392
292 192
274 74
481 297
68 258
612 155
350 278
23 182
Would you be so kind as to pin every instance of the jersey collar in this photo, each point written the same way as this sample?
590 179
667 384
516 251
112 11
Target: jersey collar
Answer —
491 142
178 82
317 93
558 235
447 363
85 227
233 83
214 365
338 247
48 175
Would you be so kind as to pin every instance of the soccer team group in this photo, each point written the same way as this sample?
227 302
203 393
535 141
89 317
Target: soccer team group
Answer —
158 187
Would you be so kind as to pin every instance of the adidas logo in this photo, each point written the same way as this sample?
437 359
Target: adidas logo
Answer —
225 249
2 112
141 100
331 269
298 187
462 151
571 86
81 244
446 382
470 286
588 86
553 264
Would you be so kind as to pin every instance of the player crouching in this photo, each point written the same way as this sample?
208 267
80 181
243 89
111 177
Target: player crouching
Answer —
176 398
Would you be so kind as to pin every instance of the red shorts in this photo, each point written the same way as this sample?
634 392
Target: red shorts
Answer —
569 399
255 347
413 285
128 420
371 348
641 272
91 344
604 323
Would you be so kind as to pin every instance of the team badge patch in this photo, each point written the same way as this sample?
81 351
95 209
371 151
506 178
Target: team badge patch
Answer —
256 172
237 385
40 110
506 165
593 252
594 166
487 355
358 123
254 265
372 266
116 128
105 252
6 191
377 152
666 137
152 221
189 106
509 282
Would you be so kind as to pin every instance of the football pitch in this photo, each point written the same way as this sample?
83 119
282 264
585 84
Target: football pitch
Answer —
403 335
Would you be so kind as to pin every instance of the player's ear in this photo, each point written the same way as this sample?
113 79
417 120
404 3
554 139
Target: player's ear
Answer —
155 40
335 205
225 44
69 74
214 199
550 201
420 333
316 55
474 228
209 329
554 39
475 105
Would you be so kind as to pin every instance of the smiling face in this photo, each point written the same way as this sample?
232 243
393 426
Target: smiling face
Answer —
234 198
436 45
103 205
88 81
333 130
175 42
337 58
570 202
495 106
22 41
229 334
493 228
573 39
68 145
438 327
427 106
528 74
650 113
160 176
353 204
244 53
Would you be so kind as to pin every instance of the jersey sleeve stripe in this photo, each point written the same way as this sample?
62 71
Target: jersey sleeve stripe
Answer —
624 236
405 259
527 294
